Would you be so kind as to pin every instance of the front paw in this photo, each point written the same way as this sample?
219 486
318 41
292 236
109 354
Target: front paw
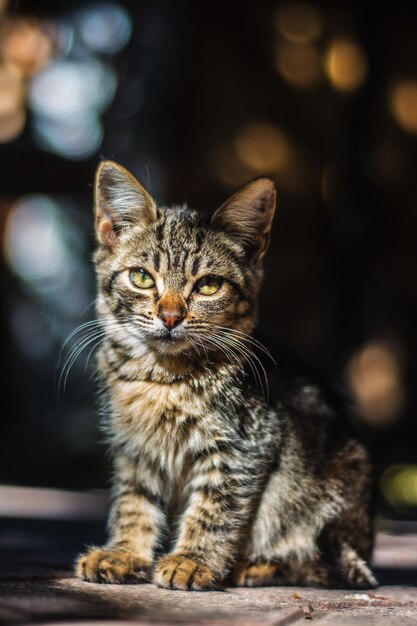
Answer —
112 566
175 571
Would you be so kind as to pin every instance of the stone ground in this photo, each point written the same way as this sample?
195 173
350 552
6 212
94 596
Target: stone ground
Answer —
37 586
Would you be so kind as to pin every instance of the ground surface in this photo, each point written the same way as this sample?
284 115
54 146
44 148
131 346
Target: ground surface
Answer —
37 586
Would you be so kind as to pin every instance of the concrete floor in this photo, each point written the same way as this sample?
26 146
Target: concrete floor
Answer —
37 587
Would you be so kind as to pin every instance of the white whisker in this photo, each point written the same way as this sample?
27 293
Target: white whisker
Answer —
92 331
252 359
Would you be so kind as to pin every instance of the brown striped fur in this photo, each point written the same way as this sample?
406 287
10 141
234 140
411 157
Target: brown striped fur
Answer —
214 480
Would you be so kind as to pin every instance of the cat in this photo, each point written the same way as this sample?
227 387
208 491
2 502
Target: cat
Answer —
217 480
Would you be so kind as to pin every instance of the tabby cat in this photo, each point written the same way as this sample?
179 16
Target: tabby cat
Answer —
216 481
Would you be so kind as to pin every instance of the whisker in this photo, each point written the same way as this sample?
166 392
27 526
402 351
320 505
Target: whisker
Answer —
228 351
246 337
89 324
229 354
252 359
195 344
92 331
92 303
73 355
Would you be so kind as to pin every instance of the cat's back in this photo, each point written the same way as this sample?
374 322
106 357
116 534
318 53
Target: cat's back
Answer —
305 404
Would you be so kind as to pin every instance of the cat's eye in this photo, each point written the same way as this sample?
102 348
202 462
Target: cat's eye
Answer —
139 278
208 285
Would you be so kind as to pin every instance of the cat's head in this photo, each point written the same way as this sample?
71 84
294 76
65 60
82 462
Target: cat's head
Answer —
171 278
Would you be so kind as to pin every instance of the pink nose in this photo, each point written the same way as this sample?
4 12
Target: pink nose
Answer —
171 318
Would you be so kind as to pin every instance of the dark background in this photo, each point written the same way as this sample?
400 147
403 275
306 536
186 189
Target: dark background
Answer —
320 96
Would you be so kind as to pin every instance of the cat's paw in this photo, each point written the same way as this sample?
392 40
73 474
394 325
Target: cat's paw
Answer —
112 566
175 571
359 576
354 571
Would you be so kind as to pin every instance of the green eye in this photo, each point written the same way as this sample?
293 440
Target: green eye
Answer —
139 278
208 285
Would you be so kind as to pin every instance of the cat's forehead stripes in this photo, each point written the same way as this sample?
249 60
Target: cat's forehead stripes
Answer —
180 247
157 260
180 237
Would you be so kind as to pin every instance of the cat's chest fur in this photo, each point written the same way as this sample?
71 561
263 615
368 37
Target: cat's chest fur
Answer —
168 423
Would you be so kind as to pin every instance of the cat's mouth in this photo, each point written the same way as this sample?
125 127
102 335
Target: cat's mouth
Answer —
171 342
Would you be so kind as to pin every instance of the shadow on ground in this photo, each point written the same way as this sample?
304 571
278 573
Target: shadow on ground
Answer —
37 586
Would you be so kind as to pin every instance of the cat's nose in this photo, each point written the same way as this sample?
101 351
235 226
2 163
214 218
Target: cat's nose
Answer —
172 309
171 318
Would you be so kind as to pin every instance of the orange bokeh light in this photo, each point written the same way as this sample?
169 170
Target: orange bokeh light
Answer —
11 125
345 65
298 22
25 45
403 104
374 376
262 147
298 64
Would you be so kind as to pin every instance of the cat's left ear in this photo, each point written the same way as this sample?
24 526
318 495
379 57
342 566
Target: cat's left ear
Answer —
120 202
248 214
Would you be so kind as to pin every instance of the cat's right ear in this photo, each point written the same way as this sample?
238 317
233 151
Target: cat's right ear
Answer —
120 202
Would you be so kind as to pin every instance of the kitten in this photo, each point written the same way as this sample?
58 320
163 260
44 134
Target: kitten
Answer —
214 481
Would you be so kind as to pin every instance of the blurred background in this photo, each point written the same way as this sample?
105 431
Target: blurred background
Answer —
196 99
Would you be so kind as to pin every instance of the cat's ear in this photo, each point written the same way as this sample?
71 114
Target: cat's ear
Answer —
120 201
248 214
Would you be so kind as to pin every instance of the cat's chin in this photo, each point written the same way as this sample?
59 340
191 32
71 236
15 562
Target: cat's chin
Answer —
171 347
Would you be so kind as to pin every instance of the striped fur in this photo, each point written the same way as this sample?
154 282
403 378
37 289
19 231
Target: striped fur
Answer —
215 481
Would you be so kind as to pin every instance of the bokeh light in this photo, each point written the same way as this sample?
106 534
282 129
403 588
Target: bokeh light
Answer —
298 22
374 374
25 45
12 97
346 65
44 248
11 125
298 64
399 485
56 68
403 104
33 243
73 137
64 39
262 147
67 97
104 28
69 87
12 91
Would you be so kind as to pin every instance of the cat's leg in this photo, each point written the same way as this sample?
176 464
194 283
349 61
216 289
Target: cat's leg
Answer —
262 573
348 544
220 503
339 562
137 522
301 543
347 540
354 571
272 572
